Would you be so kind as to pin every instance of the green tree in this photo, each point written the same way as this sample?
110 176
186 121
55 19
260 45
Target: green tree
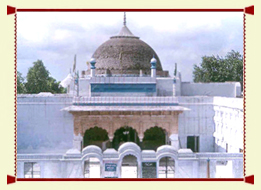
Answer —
219 69
55 86
38 80
20 84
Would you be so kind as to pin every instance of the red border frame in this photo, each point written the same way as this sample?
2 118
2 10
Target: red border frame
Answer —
246 10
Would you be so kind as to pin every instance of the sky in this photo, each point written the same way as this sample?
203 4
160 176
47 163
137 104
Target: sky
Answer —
177 37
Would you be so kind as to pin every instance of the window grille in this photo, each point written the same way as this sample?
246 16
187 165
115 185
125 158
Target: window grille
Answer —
32 170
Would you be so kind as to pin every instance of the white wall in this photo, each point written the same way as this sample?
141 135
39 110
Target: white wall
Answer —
164 86
228 121
198 121
192 165
216 120
42 126
227 89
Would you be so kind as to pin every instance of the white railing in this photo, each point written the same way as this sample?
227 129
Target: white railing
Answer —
39 156
219 155
131 100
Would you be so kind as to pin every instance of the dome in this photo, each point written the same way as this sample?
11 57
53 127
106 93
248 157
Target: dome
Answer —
125 54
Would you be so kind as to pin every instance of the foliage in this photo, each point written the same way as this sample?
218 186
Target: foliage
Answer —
153 138
55 86
95 134
219 69
130 135
20 84
38 80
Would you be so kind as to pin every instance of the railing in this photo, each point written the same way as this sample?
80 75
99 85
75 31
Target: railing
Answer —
39 156
219 155
126 100
122 75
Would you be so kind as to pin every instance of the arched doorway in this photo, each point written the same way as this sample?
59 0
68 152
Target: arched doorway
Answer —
129 167
166 168
153 138
125 134
96 136
92 168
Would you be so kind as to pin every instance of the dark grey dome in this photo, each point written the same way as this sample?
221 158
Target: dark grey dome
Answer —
125 54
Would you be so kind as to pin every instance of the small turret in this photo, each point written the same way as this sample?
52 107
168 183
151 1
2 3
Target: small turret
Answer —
93 62
153 63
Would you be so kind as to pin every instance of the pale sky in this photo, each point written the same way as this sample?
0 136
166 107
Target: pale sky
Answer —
177 37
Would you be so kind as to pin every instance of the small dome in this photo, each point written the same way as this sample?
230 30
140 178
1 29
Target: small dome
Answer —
153 60
92 60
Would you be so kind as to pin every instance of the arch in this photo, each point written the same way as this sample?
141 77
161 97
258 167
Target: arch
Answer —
129 166
96 136
166 167
130 148
125 134
138 161
92 166
166 150
92 160
154 137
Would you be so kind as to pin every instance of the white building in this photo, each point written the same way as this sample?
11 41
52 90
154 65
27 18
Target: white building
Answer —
126 95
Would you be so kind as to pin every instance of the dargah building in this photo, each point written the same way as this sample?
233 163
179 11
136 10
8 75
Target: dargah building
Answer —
125 117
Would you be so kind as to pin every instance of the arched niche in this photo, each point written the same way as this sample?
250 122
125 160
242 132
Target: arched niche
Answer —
132 150
92 160
154 137
96 136
167 158
129 166
125 134
166 167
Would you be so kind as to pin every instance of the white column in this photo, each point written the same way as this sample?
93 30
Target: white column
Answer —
237 167
77 142
153 73
20 169
92 72
174 138
212 168
153 63
140 73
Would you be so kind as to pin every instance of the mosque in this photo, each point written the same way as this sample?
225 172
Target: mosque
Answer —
125 117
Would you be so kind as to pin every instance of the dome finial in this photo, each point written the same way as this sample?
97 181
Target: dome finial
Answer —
124 19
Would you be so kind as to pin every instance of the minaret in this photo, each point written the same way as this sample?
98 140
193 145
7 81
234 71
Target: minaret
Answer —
153 62
92 62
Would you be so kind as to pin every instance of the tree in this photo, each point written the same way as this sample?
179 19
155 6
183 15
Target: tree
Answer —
20 84
219 69
38 80
55 86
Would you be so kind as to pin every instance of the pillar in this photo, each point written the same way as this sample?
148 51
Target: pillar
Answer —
141 137
237 167
20 169
153 62
174 138
110 138
212 168
77 142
